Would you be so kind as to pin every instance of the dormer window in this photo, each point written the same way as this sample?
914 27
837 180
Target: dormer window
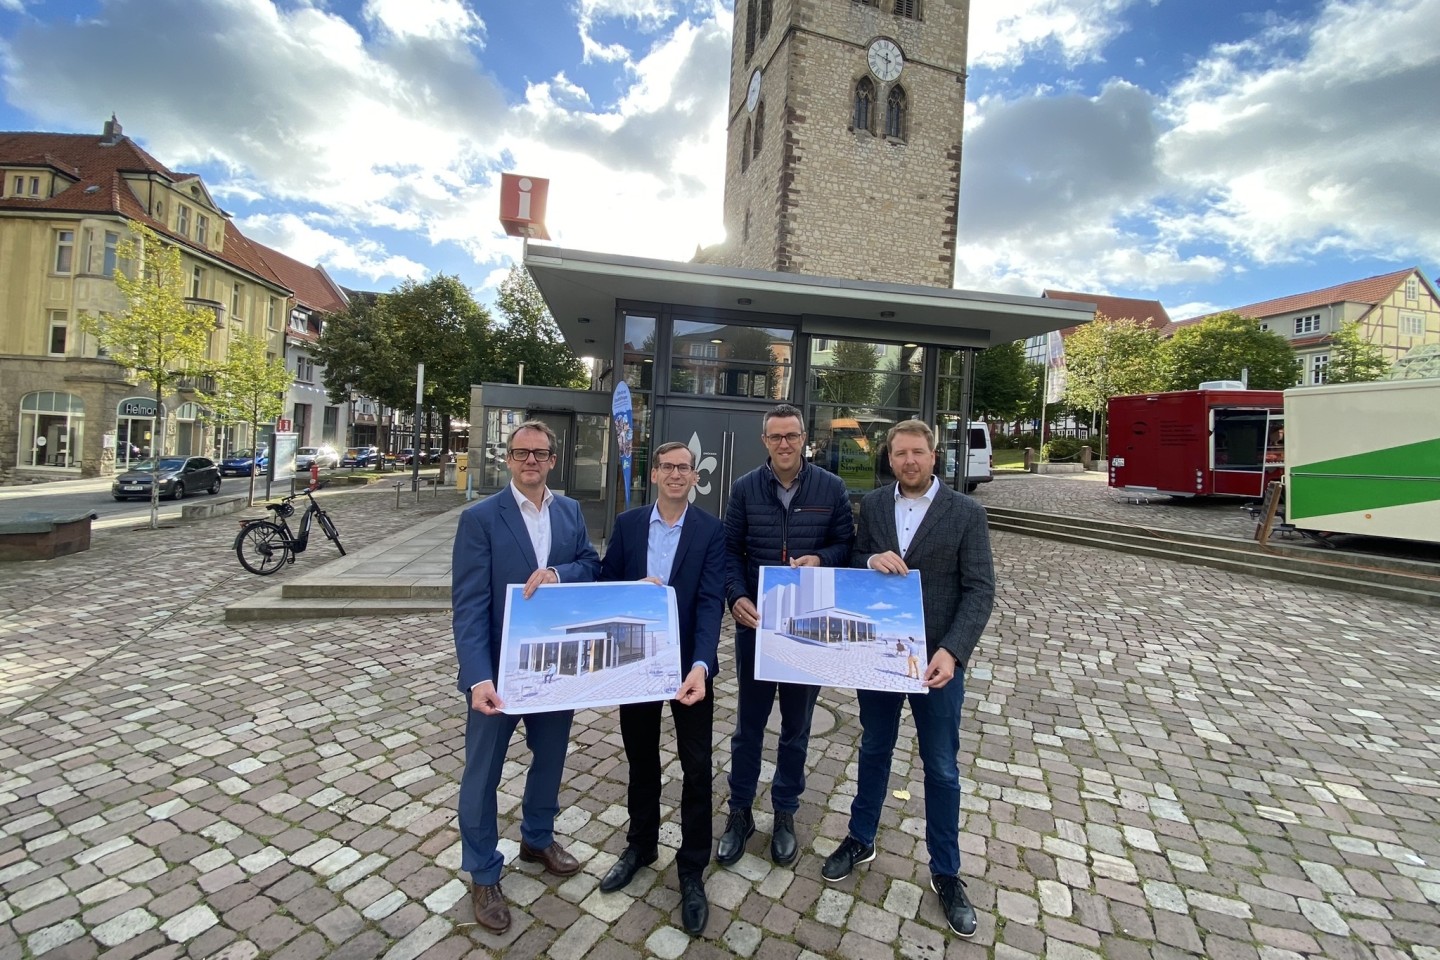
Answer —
202 229
182 220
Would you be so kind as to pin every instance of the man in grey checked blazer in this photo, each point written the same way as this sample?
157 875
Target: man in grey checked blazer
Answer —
917 523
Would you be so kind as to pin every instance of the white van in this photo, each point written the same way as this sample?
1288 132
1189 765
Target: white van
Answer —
980 464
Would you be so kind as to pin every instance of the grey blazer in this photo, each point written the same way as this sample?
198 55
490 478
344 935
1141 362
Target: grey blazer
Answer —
951 549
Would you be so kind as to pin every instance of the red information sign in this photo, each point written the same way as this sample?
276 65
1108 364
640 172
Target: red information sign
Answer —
522 205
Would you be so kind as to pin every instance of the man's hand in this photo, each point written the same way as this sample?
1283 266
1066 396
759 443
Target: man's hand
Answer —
809 560
941 669
692 691
744 613
484 698
543 575
655 580
889 562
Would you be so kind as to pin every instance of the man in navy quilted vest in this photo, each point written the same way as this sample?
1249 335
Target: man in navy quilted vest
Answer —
785 512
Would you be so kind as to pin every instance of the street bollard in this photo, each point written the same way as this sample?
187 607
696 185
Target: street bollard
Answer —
398 485
1029 457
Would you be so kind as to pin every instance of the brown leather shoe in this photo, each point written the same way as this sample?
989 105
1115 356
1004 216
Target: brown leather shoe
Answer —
490 909
553 858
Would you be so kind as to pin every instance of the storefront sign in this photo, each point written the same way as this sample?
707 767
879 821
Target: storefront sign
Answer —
138 407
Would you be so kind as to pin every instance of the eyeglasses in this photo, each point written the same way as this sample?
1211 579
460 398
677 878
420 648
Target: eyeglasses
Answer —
778 438
520 456
677 468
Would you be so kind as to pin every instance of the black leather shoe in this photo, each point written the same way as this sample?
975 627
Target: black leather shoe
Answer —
850 854
739 828
783 848
694 908
954 904
624 869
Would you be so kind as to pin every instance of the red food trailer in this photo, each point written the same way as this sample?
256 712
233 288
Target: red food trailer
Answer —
1218 441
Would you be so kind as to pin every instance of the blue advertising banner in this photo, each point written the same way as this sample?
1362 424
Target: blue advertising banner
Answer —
622 412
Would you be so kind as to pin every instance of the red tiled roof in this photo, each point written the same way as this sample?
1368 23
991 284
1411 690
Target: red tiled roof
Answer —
98 166
1371 290
312 285
1150 312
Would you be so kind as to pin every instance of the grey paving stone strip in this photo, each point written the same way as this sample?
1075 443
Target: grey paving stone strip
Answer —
1158 761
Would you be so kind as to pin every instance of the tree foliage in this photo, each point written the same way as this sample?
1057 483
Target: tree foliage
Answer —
1004 382
530 335
1220 348
1354 359
158 336
851 383
250 387
1109 358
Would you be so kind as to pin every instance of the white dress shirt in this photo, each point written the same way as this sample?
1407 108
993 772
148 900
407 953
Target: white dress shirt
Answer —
537 523
910 512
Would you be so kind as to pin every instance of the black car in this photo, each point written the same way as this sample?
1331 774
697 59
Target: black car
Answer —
179 476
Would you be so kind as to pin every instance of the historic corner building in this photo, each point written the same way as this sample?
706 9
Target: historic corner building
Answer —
833 290
66 204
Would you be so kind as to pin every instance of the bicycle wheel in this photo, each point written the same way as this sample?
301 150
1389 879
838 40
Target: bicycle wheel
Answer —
262 547
328 526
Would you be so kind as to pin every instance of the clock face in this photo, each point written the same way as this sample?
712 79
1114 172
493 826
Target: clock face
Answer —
886 60
752 96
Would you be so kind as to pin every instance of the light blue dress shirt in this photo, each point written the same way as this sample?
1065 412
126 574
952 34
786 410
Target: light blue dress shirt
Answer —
664 539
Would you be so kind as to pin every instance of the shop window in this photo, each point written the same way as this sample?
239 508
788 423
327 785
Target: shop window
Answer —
51 430
730 360
858 391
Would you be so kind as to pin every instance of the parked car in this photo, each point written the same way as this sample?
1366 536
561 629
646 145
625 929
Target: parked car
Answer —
360 456
325 456
179 476
243 463
408 454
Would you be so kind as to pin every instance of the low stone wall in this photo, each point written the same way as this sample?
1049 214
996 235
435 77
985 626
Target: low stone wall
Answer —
44 536
1057 468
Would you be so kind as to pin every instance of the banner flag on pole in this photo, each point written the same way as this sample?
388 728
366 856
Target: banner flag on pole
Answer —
623 414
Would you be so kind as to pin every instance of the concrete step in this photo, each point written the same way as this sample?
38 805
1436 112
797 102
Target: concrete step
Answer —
268 604
1410 581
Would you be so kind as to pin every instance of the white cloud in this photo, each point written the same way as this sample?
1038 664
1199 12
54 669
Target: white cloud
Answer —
444 20
1273 149
1005 32
881 605
308 244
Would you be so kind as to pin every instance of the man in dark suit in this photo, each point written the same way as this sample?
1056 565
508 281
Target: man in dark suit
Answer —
917 523
522 535
672 543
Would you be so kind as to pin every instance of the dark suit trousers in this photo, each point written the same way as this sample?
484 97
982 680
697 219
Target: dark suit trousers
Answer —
640 731
757 698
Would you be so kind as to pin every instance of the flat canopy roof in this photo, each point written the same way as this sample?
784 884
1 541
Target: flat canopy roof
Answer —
583 288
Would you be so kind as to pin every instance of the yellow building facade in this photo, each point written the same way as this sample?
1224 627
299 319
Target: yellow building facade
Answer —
67 203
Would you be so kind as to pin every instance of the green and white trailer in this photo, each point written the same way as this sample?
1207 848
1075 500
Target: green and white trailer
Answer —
1364 458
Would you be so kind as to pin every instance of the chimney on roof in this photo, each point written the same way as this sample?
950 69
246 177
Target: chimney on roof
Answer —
113 131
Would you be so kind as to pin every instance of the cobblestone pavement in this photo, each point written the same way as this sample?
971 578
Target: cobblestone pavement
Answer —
1160 760
1089 495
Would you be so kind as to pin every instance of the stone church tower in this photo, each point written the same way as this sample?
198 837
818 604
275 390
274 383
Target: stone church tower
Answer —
844 133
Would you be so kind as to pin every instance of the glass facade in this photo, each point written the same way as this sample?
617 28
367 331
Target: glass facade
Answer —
729 360
858 391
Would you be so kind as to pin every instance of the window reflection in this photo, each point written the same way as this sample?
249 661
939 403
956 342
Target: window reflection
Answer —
859 390
729 360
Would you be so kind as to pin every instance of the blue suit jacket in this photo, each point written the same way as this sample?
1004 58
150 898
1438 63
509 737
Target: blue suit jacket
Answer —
697 574
492 551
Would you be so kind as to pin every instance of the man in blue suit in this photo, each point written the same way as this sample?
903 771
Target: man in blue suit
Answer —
672 543
523 535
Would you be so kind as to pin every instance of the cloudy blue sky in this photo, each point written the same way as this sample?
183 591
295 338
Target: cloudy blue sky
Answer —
1206 153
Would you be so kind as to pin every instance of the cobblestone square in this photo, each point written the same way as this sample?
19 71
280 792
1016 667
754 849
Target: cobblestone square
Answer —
1160 761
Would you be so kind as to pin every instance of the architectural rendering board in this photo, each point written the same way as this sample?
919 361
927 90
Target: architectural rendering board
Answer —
841 628
576 646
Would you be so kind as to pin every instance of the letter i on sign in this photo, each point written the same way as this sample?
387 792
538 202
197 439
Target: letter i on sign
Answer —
523 212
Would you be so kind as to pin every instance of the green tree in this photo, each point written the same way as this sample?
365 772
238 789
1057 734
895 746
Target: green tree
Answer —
1004 382
250 388
1108 358
1353 359
159 337
359 352
530 335
1221 348
850 382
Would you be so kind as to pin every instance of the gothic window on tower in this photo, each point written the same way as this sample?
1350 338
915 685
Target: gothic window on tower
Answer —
908 8
759 127
895 113
765 14
750 21
745 233
745 148
864 106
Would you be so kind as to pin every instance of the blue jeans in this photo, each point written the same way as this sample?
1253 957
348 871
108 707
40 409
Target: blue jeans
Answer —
757 698
486 741
937 728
